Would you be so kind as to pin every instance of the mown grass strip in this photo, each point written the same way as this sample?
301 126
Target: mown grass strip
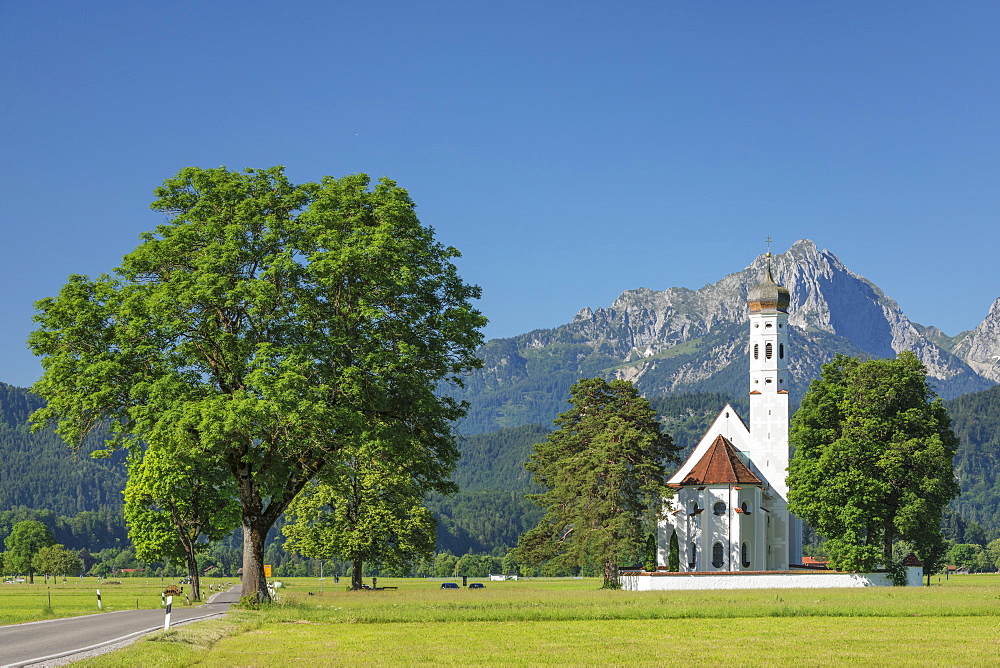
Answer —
572 622
808 642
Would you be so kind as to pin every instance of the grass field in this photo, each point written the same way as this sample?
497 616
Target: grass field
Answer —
23 602
537 622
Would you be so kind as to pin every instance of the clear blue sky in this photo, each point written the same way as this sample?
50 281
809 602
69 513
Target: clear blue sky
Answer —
571 150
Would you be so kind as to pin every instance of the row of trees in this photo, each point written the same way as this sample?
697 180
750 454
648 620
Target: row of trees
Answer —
976 558
32 549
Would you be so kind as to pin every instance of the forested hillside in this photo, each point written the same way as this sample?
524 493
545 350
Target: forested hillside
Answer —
976 421
40 471
490 511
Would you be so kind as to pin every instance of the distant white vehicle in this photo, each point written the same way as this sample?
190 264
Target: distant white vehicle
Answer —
503 576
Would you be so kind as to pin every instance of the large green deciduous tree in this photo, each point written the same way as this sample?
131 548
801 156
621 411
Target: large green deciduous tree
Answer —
269 325
369 508
873 461
174 503
604 470
23 544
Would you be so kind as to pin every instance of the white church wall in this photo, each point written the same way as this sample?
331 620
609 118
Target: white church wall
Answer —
716 530
788 580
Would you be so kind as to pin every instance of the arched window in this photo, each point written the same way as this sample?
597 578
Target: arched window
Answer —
719 508
717 555
768 350
745 554
781 351
756 351
694 556
746 508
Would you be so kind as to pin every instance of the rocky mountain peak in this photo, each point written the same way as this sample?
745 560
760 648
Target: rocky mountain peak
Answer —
680 339
981 347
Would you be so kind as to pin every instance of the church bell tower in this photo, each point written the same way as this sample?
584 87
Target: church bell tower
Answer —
769 352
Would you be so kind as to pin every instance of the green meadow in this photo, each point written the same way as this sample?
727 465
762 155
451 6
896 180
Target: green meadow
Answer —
539 621
22 602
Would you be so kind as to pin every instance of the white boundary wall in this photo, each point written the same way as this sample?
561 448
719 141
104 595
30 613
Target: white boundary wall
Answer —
790 580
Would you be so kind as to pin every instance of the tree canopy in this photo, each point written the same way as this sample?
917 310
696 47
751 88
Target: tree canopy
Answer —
268 324
57 560
174 504
604 470
370 509
23 543
873 461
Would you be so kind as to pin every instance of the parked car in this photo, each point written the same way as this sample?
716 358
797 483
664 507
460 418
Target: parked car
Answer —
449 585
477 585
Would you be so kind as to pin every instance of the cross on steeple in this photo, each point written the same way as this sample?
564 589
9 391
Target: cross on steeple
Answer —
768 240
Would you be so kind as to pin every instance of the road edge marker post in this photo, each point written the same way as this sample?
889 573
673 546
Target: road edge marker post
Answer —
166 620
100 606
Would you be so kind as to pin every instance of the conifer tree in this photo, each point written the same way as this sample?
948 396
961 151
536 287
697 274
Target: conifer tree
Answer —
674 559
604 468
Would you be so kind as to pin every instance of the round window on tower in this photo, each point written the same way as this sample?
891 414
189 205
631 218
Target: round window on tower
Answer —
719 508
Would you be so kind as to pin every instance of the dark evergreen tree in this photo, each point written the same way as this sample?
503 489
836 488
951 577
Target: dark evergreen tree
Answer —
649 562
604 473
674 559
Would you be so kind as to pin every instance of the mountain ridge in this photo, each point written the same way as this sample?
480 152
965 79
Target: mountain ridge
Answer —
684 340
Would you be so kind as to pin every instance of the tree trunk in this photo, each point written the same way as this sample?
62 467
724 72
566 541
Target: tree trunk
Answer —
257 520
254 533
192 566
254 582
356 568
887 544
611 580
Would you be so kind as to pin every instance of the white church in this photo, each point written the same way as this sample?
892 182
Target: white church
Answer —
730 504
730 507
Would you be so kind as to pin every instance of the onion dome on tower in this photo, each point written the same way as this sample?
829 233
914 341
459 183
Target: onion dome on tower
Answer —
768 296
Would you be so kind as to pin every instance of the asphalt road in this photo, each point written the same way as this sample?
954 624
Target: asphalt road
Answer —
38 642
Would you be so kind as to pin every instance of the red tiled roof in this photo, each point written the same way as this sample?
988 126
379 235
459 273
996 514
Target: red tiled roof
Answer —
720 464
912 560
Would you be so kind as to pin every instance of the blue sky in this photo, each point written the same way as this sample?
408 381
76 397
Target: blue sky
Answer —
570 150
